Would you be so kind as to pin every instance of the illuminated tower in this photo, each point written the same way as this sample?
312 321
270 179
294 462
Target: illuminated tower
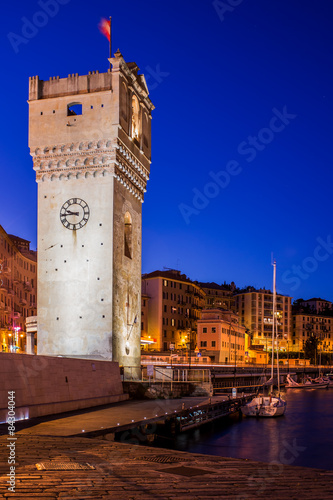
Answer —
90 139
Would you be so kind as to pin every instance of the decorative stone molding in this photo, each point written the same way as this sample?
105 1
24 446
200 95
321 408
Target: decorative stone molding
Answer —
91 158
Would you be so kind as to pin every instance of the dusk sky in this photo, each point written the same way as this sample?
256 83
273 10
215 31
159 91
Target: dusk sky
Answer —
241 133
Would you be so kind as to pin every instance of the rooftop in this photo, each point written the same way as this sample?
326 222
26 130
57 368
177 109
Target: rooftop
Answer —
171 274
215 286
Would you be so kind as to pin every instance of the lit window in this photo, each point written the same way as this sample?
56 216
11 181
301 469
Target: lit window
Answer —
135 117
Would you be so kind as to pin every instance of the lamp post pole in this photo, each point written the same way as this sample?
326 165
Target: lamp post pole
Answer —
266 352
189 349
229 341
189 360
235 359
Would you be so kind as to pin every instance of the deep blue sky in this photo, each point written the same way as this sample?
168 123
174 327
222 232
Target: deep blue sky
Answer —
219 77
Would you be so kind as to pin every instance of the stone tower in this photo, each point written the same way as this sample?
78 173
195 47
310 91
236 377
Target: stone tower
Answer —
90 139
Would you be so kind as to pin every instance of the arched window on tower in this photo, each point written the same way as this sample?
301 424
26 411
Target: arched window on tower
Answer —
74 109
135 117
124 101
128 235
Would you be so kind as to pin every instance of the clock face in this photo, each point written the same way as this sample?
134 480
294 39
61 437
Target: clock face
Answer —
74 213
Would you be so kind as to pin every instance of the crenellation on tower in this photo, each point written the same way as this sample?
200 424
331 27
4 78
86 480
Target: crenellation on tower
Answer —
73 84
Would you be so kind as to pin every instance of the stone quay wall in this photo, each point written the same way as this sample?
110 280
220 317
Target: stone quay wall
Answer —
45 385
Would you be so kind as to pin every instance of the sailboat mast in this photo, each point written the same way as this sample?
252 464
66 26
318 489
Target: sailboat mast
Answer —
273 328
277 352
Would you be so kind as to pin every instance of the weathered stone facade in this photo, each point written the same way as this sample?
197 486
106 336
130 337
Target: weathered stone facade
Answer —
89 137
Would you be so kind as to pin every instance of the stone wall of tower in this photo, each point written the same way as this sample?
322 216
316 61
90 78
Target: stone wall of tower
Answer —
126 281
133 166
75 270
89 284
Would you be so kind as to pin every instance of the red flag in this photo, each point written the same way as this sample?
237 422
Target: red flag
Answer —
105 28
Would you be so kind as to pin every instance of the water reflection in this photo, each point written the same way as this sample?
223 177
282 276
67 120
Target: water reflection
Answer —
302 437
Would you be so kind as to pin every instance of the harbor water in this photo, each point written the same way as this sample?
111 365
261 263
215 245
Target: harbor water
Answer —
302 437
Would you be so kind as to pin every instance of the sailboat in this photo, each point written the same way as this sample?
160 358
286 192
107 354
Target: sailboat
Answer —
268 406
309 383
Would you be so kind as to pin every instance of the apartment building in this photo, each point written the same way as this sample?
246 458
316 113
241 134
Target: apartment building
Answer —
174 307
221 337
255 309
147 340
316 305
18 290
219 296
306 325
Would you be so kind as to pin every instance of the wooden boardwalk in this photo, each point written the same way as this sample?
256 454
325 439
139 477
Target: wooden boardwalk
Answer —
173 415
114 417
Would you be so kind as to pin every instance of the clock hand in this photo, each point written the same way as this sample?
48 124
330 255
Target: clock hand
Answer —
71 213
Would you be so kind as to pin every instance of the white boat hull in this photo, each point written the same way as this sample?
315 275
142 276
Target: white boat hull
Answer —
307 385
264 407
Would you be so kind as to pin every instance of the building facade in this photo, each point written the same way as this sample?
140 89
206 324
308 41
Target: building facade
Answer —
175 305
18 290
255 309
90 139
219 296
306 325
221 337
147 341
316 305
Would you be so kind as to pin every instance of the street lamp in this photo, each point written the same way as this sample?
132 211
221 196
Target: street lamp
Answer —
229 359
235 333
188 345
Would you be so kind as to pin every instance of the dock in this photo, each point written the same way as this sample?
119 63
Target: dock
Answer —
143 417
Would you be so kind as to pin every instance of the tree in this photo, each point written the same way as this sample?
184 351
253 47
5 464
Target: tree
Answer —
311 348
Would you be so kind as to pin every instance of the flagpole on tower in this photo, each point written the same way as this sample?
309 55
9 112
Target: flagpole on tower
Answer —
105 28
